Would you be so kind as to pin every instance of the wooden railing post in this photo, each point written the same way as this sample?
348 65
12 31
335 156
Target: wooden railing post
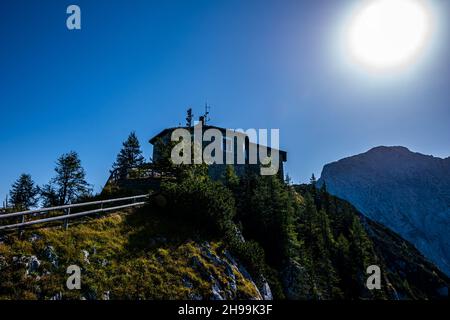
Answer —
20 230
66 222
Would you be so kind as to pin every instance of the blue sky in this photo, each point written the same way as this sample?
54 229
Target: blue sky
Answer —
138 65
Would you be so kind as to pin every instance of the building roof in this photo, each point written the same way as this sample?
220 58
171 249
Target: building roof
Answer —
169 130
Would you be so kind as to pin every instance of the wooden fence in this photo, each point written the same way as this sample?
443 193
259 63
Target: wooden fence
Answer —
65 213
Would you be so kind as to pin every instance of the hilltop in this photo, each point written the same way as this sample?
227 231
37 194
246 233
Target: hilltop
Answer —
248 238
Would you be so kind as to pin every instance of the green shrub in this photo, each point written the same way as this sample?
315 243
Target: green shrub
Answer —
203 202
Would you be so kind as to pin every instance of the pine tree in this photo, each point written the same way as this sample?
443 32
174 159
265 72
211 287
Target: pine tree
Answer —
325 227
49 195
69 184
24 193
344 263
325 197
268 214
130 156
314 193
313 181
230 178
360 243
307 224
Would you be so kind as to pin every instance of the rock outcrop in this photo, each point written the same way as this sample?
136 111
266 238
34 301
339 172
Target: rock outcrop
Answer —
405 191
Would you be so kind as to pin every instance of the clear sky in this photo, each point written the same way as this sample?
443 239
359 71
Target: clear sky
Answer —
138 65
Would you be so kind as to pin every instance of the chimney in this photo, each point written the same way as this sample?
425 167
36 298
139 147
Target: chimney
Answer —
202 120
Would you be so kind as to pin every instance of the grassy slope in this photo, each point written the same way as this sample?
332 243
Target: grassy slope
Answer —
131 256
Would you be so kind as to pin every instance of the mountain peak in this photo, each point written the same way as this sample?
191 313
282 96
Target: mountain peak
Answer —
407 191
399 149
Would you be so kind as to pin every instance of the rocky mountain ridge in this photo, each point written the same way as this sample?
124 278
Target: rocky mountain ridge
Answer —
406 191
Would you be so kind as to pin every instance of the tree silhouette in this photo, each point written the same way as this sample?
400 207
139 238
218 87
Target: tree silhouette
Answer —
130 156
69 184
23 192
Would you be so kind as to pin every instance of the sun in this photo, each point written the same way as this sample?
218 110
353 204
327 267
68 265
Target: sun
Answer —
386 34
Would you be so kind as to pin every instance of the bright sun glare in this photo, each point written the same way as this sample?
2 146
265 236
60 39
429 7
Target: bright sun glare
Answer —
386 34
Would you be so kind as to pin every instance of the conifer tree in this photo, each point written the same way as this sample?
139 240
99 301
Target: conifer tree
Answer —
360 244
130 156
69 184
313 181
268 213
49 195
23 193
231 178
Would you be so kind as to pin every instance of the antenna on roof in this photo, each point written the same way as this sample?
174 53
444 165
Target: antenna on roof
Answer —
207 109
189 117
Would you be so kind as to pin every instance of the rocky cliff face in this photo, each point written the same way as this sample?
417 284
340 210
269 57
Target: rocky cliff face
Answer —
405 191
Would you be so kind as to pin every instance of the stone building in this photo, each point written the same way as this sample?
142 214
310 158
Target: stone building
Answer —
235 145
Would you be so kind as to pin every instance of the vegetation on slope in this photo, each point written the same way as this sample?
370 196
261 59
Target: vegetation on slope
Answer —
197 238
355 242
133 255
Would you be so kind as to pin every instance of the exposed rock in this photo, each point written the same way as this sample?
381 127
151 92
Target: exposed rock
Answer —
234 264
198 265
238 233
405 191
215 293
231 277
244 272
51 256
212 257
35 237
106 295
230 258
85 256
227 287
205 244
57 296
265 291
229 271
32 264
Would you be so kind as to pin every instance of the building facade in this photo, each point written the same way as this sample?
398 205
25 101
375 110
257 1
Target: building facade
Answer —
235 145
